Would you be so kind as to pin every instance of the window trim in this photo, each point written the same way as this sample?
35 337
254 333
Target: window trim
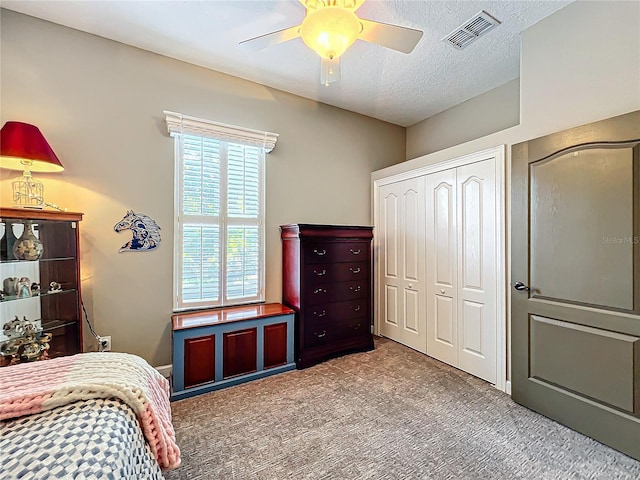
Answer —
177 125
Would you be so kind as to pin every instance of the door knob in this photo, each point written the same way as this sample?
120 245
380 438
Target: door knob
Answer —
521 287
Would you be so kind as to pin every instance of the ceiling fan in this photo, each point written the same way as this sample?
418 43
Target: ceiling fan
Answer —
330 27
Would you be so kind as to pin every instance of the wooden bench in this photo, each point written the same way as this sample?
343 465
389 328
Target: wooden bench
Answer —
217 348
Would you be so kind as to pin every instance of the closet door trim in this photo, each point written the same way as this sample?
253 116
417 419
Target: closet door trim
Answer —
502 172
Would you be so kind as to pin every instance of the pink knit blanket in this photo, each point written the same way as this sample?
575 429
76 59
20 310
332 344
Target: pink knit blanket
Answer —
34 387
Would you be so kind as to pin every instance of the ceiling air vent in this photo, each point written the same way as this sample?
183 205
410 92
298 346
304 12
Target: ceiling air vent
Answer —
470 30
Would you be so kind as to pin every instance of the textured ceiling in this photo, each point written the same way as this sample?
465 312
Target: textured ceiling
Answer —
381 83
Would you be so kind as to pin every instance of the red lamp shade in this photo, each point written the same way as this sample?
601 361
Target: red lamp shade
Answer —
23 147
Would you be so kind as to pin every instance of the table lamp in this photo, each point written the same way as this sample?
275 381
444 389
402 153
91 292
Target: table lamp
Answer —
23 147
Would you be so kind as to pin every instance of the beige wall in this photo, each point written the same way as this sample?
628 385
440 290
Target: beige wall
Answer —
490 112
580 65
99 103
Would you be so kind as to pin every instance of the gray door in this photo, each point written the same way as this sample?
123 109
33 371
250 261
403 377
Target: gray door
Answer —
576 279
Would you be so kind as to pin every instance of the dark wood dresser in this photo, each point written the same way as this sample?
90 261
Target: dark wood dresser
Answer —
327 281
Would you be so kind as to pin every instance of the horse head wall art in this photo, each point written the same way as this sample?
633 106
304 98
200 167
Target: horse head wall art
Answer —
146 232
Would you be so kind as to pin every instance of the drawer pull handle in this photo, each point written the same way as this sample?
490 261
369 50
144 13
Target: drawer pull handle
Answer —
354 270
357 288
323 313
320 290
355 252
319 252
356 308
320 335
320 274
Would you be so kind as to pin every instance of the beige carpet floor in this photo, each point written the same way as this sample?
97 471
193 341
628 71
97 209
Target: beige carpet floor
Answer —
391 413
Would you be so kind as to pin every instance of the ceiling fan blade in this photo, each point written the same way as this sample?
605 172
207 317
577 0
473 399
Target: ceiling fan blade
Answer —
398 38
329 71
273 38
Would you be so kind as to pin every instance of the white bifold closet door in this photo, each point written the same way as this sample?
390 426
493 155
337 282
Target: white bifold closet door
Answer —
402 281
461 268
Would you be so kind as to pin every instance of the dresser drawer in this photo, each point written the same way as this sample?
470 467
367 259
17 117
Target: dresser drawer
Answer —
330 252
326 332
354 327
337 311
315 335
336 272
336 292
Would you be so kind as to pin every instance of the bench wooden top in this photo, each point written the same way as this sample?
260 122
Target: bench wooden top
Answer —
218 316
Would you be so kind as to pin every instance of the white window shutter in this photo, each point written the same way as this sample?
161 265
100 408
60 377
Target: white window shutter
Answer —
200 264
219 222
201 176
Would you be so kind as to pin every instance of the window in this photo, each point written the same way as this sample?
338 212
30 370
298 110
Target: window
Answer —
219 254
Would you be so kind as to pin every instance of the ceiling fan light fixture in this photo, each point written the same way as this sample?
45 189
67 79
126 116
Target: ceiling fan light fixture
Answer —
329 31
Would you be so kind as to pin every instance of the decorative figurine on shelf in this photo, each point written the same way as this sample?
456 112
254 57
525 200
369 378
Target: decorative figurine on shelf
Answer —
55 287
26 342
29 327
18 328
13 328
146 232
1 295
36 349
23 287
28 247
9 286
35 289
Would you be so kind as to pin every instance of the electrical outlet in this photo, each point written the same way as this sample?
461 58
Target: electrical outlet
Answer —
104 344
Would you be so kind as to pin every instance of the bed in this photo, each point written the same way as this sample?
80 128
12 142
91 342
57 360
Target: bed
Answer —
90 416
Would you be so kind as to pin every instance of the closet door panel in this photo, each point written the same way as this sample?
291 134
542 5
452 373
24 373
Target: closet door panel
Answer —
445 322
412 309
441 250
390 232
477 275
471 220
415 325
389 247
444 231
473 325
411 236
402 276
391 306
388 239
